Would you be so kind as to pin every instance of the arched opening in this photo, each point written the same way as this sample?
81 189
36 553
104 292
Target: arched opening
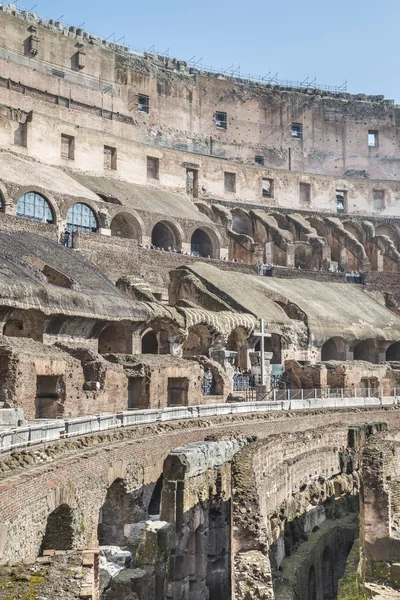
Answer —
393 352
116 512
125 225
305 257
34 207
272 344
163 236
201 244
312 584
59 534
334 349
80 217
198 342
366 350
155 500
327 574
116 338
355 229
150 343
390 232
237 342
241 224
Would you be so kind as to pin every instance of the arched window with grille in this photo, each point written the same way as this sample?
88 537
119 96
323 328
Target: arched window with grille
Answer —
34 207
80 217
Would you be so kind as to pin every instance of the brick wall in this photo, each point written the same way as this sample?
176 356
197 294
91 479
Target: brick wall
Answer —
82 477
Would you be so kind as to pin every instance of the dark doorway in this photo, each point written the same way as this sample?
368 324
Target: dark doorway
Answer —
201 244
150 343
48 401
178 391
163 237
116 512
59 532
137 393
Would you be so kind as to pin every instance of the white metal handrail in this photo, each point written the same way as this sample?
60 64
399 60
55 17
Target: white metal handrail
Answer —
281 400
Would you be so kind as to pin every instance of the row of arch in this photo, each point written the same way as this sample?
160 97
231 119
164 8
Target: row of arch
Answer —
165 235
368 350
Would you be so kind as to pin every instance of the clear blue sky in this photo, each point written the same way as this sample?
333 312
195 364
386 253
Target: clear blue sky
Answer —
357 40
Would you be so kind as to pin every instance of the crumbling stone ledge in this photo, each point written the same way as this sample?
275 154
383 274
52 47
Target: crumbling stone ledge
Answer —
19 460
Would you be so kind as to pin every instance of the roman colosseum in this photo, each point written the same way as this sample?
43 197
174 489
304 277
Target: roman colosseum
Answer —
199 329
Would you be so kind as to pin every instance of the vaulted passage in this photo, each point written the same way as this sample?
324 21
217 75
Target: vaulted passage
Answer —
150 343
201 244
115 513
164 236
334 349
59 531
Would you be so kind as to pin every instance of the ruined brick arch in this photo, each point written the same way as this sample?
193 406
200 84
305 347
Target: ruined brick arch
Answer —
167 234
319 226
160 336
312 584
205 209
328 573
126 224
390 231
199 341
204 241
59 534
334 349
356 229
114 514
241 222
306 257
367 350
149 343
393 352
116 337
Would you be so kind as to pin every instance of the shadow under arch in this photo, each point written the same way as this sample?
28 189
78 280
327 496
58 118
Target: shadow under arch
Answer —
59 534
126 225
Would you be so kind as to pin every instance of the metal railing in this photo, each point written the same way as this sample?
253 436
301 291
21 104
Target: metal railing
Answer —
45 431
241 383
355 278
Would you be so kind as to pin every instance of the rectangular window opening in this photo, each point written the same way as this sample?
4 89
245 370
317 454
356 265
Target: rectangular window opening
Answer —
259 160
221 120
110 158
341 199
192 182
373 138
178 388
230 182
305 193
379 199
67 146
143 103
297 131
153 168
267 188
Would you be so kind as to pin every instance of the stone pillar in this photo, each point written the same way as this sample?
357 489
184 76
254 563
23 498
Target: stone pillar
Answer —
344 258
255 359
223 253
290 255
269 252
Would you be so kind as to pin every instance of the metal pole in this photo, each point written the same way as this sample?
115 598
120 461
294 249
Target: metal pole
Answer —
262 352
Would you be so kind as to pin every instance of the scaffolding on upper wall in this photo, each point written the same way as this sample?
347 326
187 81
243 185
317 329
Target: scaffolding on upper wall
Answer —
195 66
